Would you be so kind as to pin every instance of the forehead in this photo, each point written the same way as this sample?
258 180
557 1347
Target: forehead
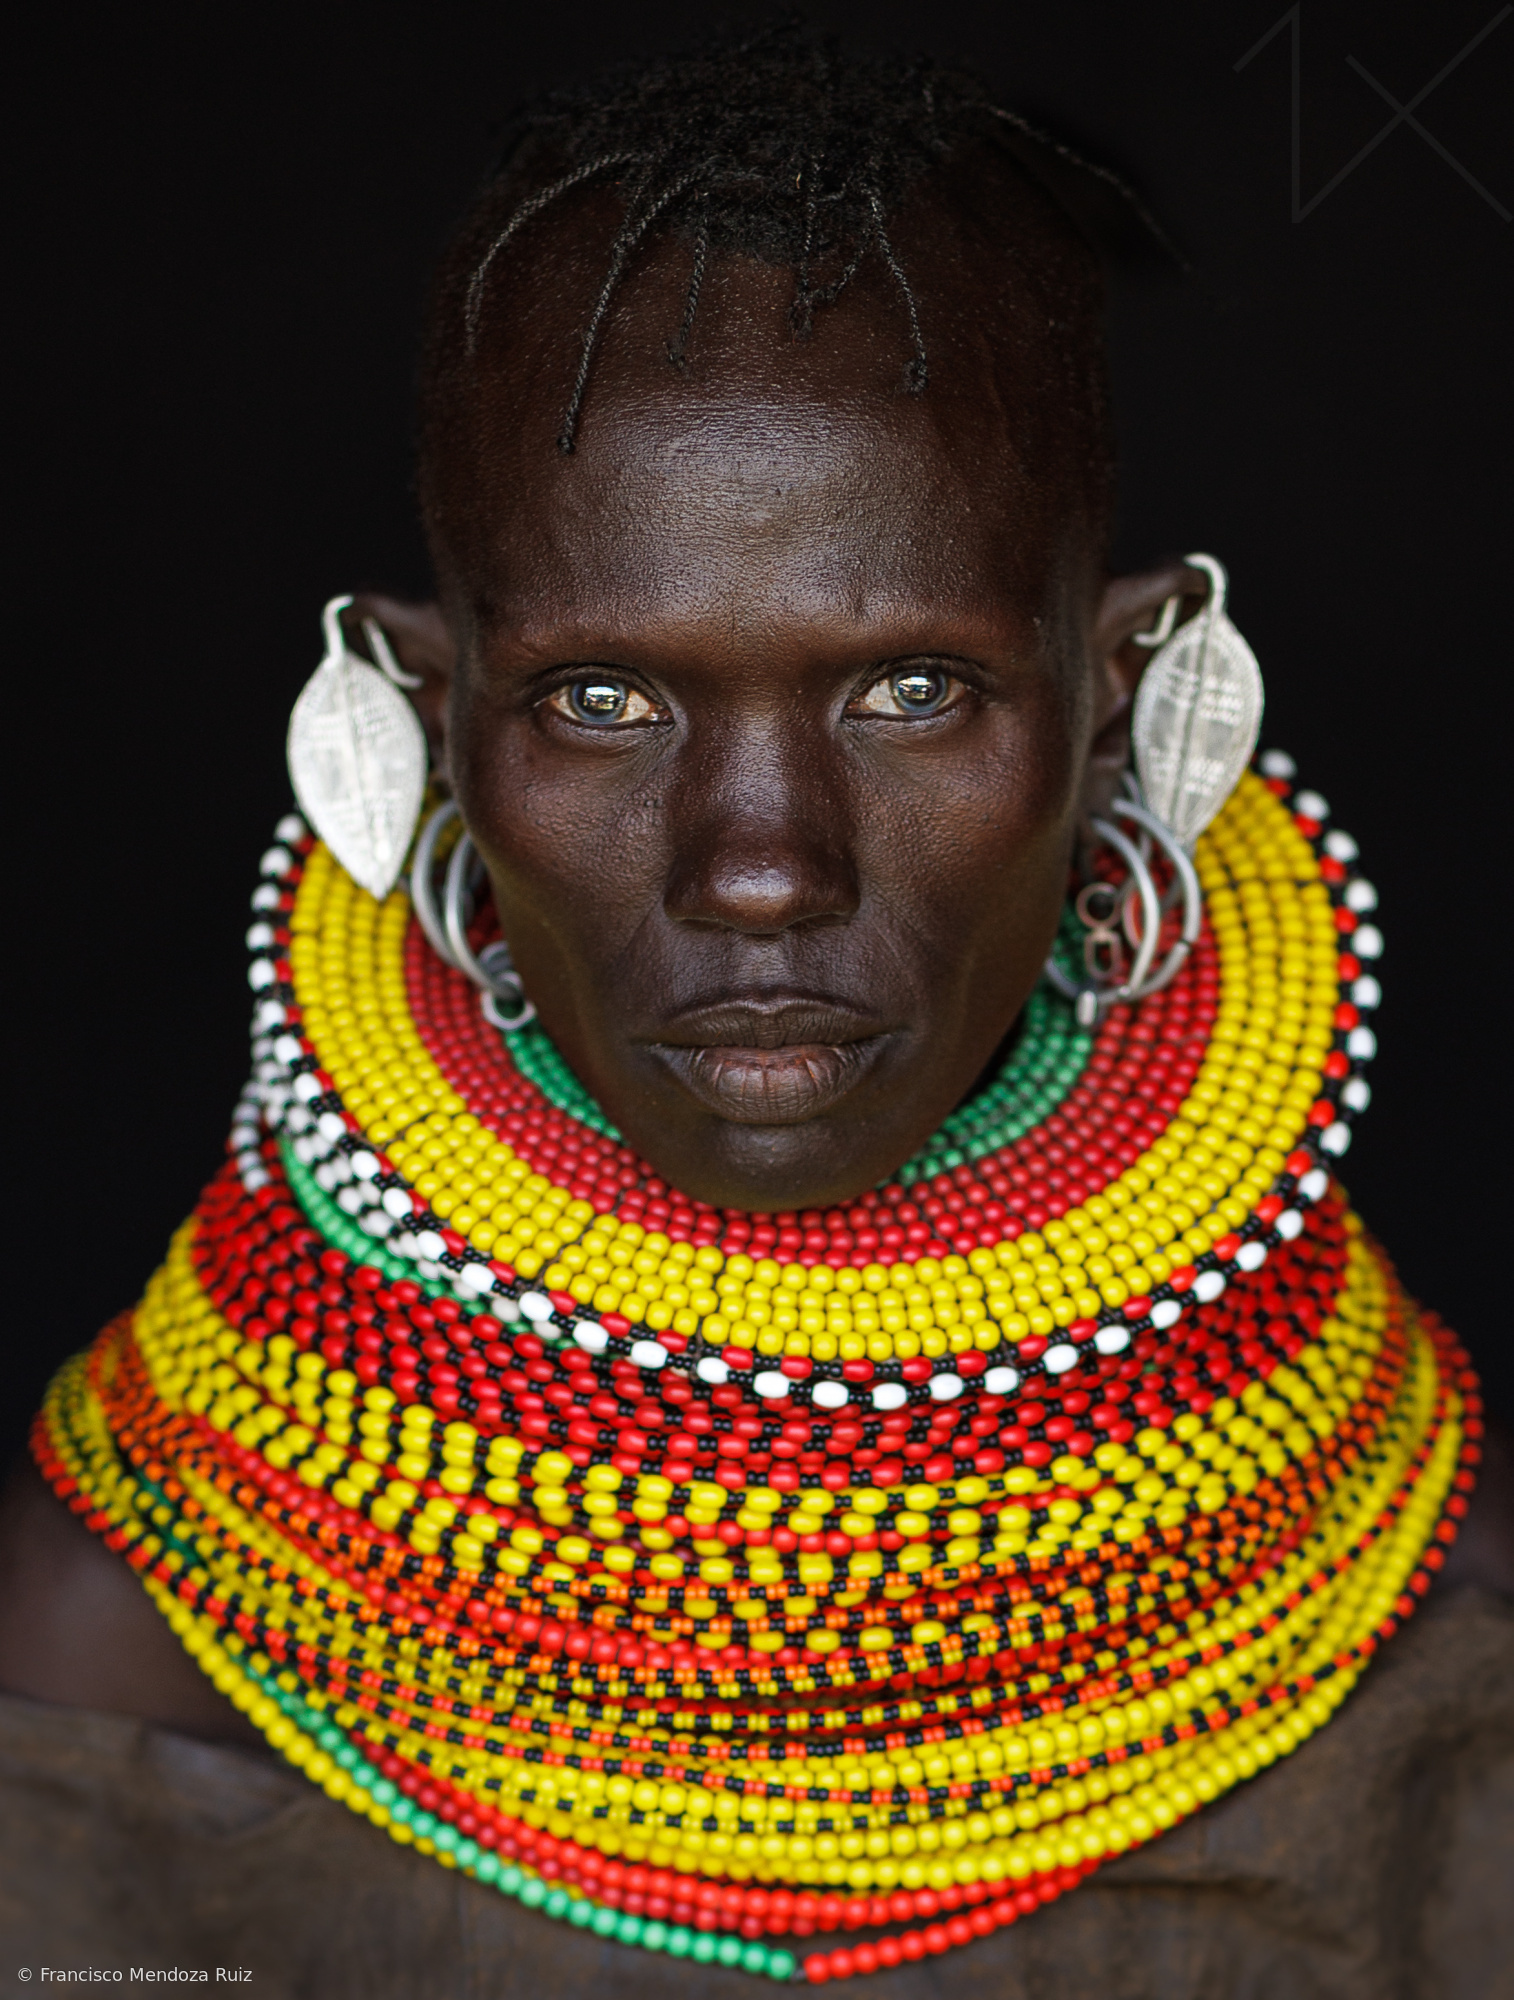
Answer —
765 460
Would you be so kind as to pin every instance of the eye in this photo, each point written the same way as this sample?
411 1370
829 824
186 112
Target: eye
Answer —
602 702
916 690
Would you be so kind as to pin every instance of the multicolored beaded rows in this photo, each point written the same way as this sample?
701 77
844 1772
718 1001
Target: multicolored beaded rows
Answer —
714 1580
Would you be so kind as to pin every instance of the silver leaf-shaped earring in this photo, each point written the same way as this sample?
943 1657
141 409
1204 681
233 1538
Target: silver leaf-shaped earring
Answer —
1197 713
357 756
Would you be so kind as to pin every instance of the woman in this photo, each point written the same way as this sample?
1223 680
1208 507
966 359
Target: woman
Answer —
814 1450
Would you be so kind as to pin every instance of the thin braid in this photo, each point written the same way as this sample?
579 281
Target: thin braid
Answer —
696 279
1107 175
631 232
801 308
918 372
533 205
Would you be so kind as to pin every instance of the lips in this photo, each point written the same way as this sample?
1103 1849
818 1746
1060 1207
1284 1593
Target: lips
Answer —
776 1061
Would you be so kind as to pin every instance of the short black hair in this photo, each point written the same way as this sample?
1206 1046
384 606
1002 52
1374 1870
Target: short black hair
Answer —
783 146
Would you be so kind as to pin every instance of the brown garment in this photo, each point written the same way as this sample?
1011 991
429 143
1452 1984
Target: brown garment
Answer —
1377 1863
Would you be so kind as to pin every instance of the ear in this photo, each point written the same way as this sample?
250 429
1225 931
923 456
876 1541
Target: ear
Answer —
1130 604
421 643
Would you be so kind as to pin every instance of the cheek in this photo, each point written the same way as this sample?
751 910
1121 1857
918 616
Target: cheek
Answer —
976 847
571 843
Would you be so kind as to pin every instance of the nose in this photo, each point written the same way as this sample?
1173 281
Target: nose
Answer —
763 839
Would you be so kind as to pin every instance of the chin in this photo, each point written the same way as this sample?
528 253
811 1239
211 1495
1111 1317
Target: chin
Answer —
770 1168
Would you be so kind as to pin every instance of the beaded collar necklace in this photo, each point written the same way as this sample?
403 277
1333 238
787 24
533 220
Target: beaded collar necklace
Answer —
713 1580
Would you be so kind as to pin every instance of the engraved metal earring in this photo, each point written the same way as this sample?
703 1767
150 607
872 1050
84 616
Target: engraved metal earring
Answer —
492 970
357 755
1194 726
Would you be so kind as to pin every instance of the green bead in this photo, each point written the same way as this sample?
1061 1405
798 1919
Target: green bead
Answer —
556 1903
679 1940
754 1958
533 1892
425 1825
488 1869
403 1811
467 1853
729 1950
385 1791
702 1950
628 1930
445 1837
511 1878
781 1965
654 1936
605 1921
580 1912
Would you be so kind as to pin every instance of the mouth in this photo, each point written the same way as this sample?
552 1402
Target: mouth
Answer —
775 1061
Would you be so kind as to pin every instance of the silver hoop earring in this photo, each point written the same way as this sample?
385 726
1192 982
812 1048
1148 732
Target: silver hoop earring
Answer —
492 970
357 756
1194 726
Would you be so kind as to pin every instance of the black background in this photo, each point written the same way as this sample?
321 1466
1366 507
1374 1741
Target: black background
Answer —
228 223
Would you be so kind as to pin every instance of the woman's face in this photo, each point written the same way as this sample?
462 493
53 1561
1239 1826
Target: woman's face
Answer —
771 718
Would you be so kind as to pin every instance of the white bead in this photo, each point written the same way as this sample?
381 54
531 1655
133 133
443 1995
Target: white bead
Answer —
399 1202
1288 1224
1278 764
648 1353
1311 805
1361 1044
1366 992
946 1388
830 1395
259 938
291 827
331 1125
1357 1094
1251 1256
270 1014
998 1382
536 1305
1335 1138
1059 1358
287 1049
590 1337
770 1384
260 974
377 1224
306 1087
1110 1339
893 1395
1340 846
364 1166
713 1369
1165 1313
475 1278
1314 1183
1360 896
265 897
277 861
1208 1285
429 1244
1367 941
